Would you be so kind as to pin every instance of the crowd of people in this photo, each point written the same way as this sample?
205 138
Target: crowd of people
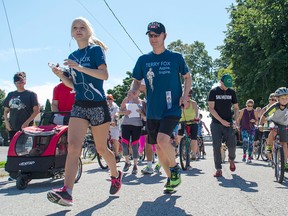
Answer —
149 123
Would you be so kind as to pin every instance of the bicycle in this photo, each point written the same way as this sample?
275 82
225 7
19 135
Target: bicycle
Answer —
278 158
89 150
260 147
185 146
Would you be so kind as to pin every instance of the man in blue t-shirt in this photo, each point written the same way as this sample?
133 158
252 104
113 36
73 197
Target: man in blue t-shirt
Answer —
220 101
161 70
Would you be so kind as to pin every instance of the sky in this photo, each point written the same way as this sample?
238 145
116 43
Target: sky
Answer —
41 34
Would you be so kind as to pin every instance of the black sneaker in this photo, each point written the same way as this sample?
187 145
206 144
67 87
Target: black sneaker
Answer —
126 166
135 169
167 187
117 158
60 196
116 183
175 176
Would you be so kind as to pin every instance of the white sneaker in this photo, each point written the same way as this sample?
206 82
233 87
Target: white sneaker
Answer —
147 170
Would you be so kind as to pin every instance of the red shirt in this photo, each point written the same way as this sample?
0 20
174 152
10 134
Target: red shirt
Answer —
65 97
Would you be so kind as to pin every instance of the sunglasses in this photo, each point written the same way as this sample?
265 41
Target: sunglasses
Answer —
19 82
153 35
249 105
270 99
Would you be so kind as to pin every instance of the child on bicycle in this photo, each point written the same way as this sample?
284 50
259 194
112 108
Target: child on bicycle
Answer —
278 113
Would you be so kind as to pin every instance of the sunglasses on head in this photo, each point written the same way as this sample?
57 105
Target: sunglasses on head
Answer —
153 35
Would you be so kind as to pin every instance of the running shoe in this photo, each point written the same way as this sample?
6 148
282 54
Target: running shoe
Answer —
126 166
147 170
116 183
60 196
117 158
135 169
232 165
244 158
157 168
167 187
175 179
249 161
218 173
270 163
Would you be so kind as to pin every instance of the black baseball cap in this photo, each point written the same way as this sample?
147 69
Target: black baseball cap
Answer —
20 76
156 27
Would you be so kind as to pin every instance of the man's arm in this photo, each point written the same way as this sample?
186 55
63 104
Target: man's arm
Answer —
54 106
36 110
135 85
211 105
236 113
7 124
187 86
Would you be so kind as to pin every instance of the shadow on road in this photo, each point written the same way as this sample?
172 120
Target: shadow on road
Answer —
32 187
130 179
91 210
193 172
238 182
164 205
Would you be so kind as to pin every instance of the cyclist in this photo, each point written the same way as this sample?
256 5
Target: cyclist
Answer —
220 101
202 124
247 120
114 128
190 114
268 134
278 113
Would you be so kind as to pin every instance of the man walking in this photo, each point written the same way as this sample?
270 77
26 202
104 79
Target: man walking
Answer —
220 101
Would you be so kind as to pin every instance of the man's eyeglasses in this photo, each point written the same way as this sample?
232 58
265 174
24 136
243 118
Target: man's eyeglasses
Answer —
153 35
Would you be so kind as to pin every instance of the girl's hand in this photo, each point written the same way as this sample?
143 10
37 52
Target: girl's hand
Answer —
72 64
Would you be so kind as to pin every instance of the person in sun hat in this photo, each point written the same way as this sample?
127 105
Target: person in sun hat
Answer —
220 101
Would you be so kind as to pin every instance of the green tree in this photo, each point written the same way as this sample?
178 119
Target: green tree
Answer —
256 47
201 69
120 91
3 131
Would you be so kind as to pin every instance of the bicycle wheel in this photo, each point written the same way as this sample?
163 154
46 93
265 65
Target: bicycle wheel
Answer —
90 152
279 163
264 154
101 161
184 152
257 151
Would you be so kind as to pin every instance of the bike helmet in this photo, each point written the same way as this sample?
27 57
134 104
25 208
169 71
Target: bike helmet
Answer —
281 91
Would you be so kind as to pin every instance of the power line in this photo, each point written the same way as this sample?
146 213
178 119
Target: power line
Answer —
11 36
123 26
105 30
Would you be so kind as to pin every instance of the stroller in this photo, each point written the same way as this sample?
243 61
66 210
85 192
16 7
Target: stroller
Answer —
39 152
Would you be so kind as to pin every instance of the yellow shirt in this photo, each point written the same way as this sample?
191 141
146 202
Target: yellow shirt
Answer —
188 114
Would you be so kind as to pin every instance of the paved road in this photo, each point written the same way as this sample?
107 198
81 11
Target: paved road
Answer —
250 190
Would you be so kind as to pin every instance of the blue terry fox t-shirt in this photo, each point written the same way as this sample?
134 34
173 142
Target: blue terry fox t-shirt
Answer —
163 85
88 88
